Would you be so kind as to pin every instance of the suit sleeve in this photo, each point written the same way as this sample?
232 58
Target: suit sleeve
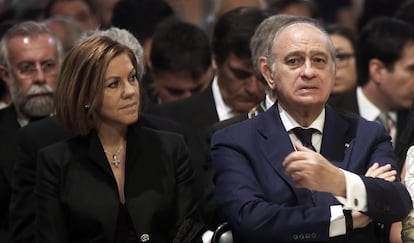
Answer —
396 205
189 217
252 216
50 218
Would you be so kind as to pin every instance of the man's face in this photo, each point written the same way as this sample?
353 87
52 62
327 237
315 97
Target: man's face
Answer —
397 84
32 74
174 86
303 71
240 88
77 10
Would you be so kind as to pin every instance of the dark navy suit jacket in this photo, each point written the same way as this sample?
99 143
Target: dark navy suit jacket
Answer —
262 204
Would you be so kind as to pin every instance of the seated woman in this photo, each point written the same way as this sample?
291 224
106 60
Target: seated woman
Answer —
116 181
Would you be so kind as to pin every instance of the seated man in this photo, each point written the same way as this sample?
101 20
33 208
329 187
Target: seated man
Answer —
296 171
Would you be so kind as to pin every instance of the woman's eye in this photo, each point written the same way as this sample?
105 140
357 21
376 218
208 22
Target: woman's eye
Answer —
113 84
132 78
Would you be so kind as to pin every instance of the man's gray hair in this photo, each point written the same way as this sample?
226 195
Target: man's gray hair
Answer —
263 35
26 28
125 38
295 20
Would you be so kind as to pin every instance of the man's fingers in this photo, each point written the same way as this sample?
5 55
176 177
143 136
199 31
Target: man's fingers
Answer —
380 171
372 169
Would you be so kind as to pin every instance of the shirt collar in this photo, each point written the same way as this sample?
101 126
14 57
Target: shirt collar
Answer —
290 123
367 109
223 111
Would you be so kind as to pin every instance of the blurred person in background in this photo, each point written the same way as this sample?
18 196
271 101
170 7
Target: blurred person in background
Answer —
180 61
80 10
345 43
66 29
141 18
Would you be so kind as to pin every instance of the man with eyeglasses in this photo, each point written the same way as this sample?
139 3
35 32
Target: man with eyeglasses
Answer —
385 75
30 57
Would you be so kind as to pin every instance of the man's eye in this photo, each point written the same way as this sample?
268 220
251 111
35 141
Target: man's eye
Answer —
26 68
48 66
175 92
240 74
292 61
319 60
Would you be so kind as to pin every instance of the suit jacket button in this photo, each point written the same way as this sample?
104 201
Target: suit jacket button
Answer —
144 237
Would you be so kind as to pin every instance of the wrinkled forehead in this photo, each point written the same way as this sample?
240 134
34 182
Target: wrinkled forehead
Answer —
301 35
296 30
27 40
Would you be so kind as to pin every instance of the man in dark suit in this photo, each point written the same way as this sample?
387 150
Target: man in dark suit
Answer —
385 75
296 171
29 64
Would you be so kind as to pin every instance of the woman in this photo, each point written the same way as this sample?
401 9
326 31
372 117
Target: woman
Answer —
345 44
117 181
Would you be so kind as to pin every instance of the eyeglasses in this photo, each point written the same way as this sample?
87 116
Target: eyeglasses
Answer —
27 70
342 59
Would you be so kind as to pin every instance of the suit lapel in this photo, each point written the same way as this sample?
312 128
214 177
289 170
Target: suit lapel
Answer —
133 151
335 139
276 145
96 153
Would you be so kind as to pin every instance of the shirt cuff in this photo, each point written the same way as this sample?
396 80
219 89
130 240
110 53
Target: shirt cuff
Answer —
356 193
337 225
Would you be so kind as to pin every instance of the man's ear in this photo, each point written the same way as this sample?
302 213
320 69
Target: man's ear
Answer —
377 70
4 74
266 71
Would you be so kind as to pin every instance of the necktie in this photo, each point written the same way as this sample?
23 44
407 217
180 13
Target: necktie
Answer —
305 136
385 120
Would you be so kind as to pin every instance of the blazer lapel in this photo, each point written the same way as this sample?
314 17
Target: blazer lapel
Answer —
96 153
134 144
336 143
276 145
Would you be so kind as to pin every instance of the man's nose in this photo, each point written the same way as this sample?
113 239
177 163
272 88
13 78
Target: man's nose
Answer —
308 70
39 75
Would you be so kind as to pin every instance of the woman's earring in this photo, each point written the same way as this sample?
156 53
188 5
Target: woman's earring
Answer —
86 106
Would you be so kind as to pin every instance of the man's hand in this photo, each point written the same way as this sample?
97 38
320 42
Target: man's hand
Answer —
309 169
385 172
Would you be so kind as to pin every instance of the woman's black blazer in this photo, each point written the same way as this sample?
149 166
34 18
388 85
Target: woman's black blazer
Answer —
77 195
